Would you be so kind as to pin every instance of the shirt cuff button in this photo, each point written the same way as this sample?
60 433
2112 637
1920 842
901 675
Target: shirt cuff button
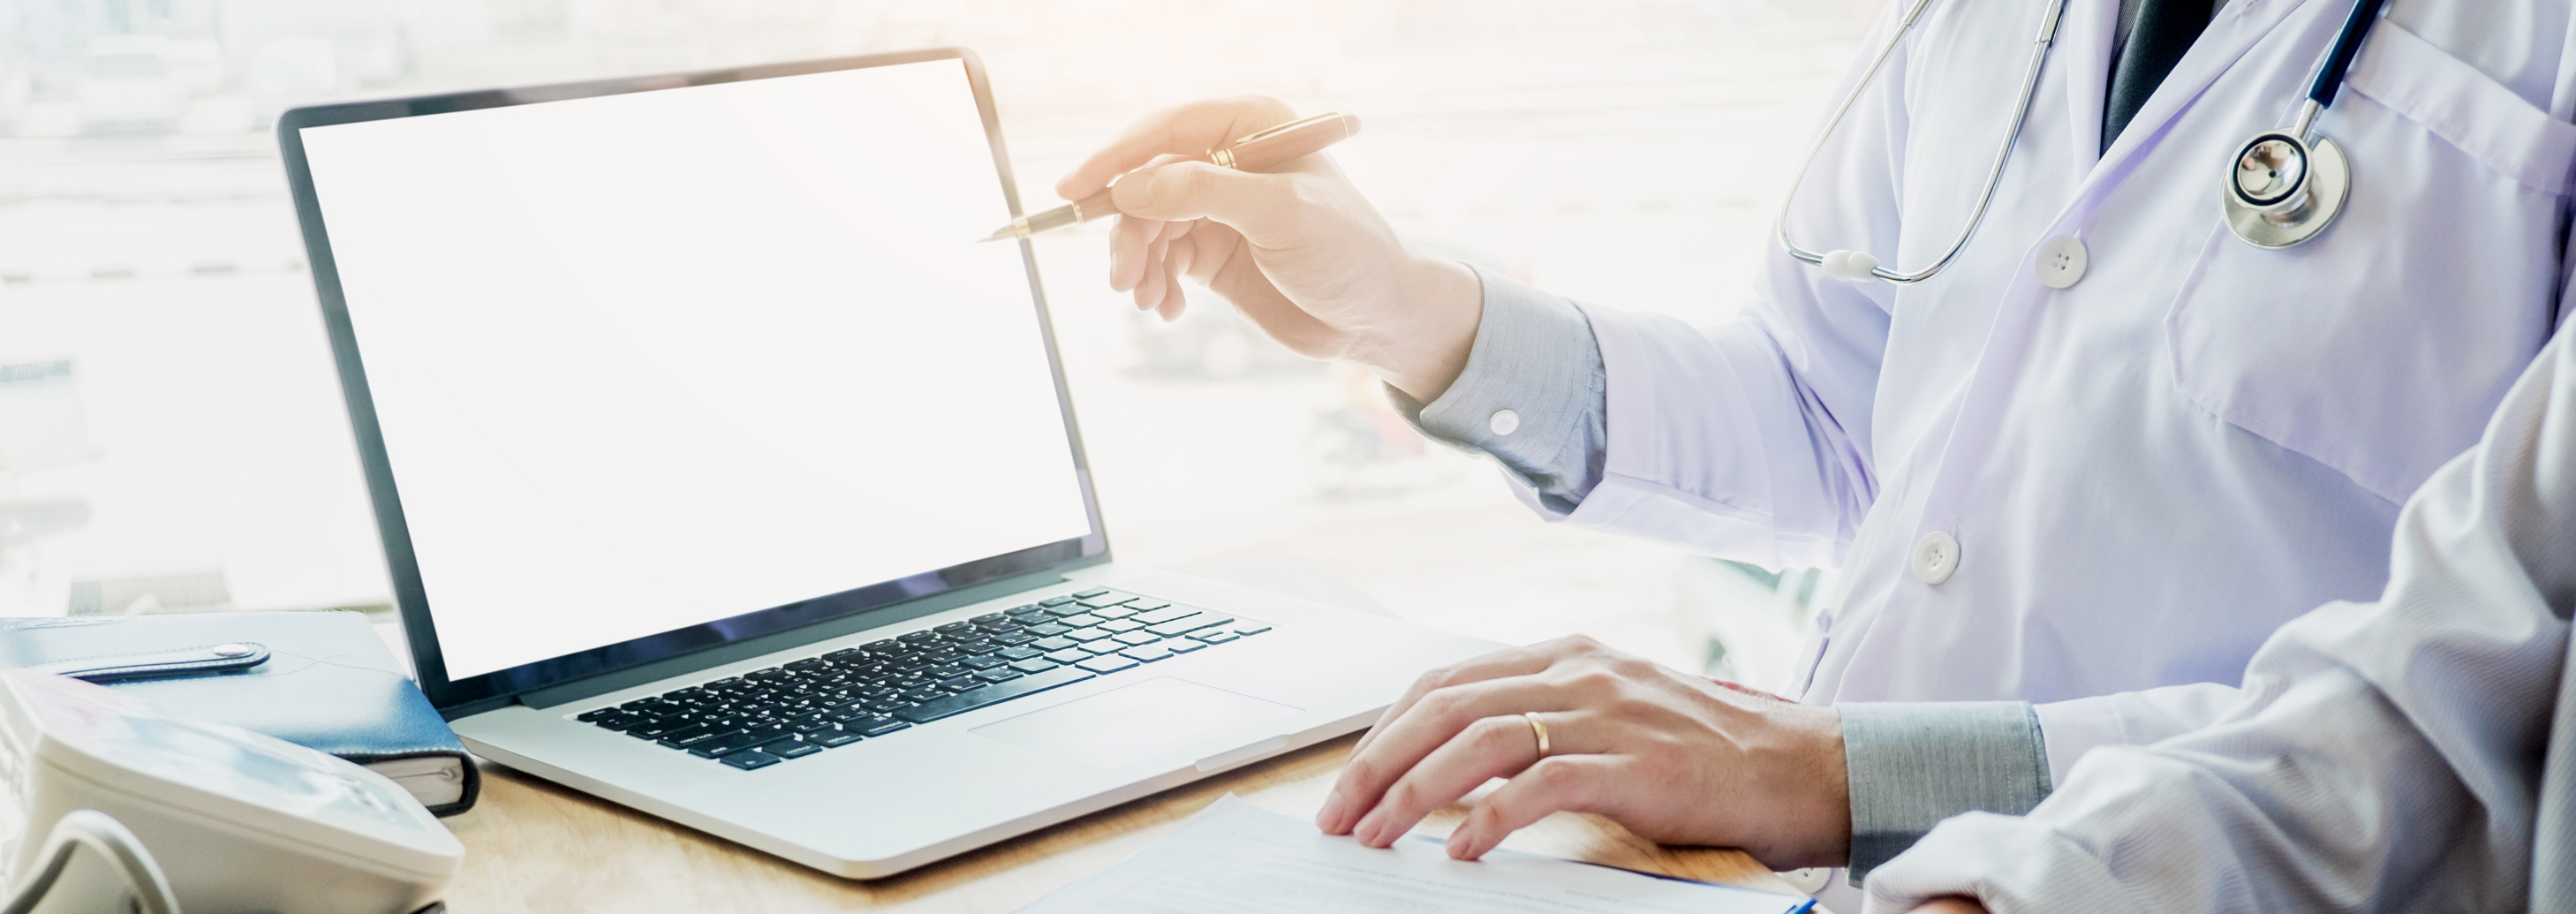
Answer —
1504 422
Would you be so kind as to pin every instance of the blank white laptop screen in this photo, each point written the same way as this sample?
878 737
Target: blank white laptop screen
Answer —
647 361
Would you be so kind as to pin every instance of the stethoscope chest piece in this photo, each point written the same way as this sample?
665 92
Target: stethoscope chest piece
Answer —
2281 191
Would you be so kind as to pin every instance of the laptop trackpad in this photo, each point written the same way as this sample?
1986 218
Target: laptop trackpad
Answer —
1136 722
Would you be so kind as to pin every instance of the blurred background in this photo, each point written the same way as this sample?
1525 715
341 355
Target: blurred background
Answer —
171 432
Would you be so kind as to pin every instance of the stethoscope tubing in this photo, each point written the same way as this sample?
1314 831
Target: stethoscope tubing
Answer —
1994 172
2329 78
2322 89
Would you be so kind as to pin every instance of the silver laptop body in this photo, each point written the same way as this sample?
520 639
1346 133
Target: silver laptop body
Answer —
722 475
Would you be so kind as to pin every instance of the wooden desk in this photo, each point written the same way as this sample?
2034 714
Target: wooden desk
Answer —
533 846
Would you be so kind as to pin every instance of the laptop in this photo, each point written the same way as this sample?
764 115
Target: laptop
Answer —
721 473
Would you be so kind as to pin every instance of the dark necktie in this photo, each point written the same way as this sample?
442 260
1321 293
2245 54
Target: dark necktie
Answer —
2153 35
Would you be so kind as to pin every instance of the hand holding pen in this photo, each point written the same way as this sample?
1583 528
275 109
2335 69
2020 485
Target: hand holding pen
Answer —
1297 249
1259 152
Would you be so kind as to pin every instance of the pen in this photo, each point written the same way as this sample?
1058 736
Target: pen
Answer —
1258 152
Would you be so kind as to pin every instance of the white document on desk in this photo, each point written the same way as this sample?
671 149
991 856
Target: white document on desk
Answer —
1235 858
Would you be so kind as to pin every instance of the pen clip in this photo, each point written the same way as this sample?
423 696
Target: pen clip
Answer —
1291 125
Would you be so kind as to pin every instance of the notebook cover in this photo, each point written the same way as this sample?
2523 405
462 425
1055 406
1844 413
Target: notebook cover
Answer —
329 683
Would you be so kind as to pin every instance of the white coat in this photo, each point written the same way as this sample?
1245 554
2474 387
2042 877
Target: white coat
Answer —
2150 470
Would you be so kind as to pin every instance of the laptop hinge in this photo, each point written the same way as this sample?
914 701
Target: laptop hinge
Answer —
604 683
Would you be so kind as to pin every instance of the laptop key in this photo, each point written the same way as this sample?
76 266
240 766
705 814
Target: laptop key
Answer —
1184 645
1055 601
1069 609
791 750
750 761
1081 620
833 740
592 717
1108 664
1014 639
1018 653
1048 629
1069 655
735 741
959 683
1056 643
1090 634
685 738
1249 628
888 706
1032 665
879 727
1147 604
1137 639
1165 614
922 693
982 663
1113 612
1003 691
1217 636
1190 624
998 675
658 728
1147 654
1121 625
1105 646
1085 594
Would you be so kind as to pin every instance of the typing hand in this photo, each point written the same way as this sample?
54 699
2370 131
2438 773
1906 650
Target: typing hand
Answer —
1299 251
1673 757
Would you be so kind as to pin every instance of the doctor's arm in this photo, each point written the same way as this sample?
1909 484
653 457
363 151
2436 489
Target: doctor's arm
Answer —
2385 755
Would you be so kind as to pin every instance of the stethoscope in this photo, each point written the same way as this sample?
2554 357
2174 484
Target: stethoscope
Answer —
2282 186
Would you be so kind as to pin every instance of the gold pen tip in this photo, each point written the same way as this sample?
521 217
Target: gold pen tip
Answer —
1004 232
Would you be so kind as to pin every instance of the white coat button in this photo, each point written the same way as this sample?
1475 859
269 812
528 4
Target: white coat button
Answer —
2061 261
1935 557
1504 422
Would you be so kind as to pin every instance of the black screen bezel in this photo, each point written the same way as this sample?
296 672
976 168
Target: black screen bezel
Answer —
411 597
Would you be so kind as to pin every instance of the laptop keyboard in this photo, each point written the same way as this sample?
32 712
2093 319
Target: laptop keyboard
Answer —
806 706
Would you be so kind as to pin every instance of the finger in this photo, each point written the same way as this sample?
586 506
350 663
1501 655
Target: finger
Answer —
1188 130
1341 810
1266 208
1150 286
1573 783
1440 716
1127 243
1489 748
1517 661
1173 298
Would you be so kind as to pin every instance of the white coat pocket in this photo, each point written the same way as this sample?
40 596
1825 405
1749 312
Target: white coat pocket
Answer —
2379 348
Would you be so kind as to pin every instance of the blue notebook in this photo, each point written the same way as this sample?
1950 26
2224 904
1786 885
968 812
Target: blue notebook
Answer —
318 679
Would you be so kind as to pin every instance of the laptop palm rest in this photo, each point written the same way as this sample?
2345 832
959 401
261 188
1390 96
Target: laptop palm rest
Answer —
1137 722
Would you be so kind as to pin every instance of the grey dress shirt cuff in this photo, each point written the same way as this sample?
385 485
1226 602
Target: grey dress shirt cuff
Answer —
1535 358
1913 764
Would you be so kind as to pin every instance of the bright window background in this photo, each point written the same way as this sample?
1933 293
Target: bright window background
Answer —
171 435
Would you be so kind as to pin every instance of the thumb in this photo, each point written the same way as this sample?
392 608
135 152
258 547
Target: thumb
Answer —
1263 207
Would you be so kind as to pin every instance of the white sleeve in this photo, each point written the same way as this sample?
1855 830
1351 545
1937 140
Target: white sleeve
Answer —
1751 439
2072 728
2383 756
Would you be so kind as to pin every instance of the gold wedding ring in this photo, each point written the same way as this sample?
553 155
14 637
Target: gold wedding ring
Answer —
1538 730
